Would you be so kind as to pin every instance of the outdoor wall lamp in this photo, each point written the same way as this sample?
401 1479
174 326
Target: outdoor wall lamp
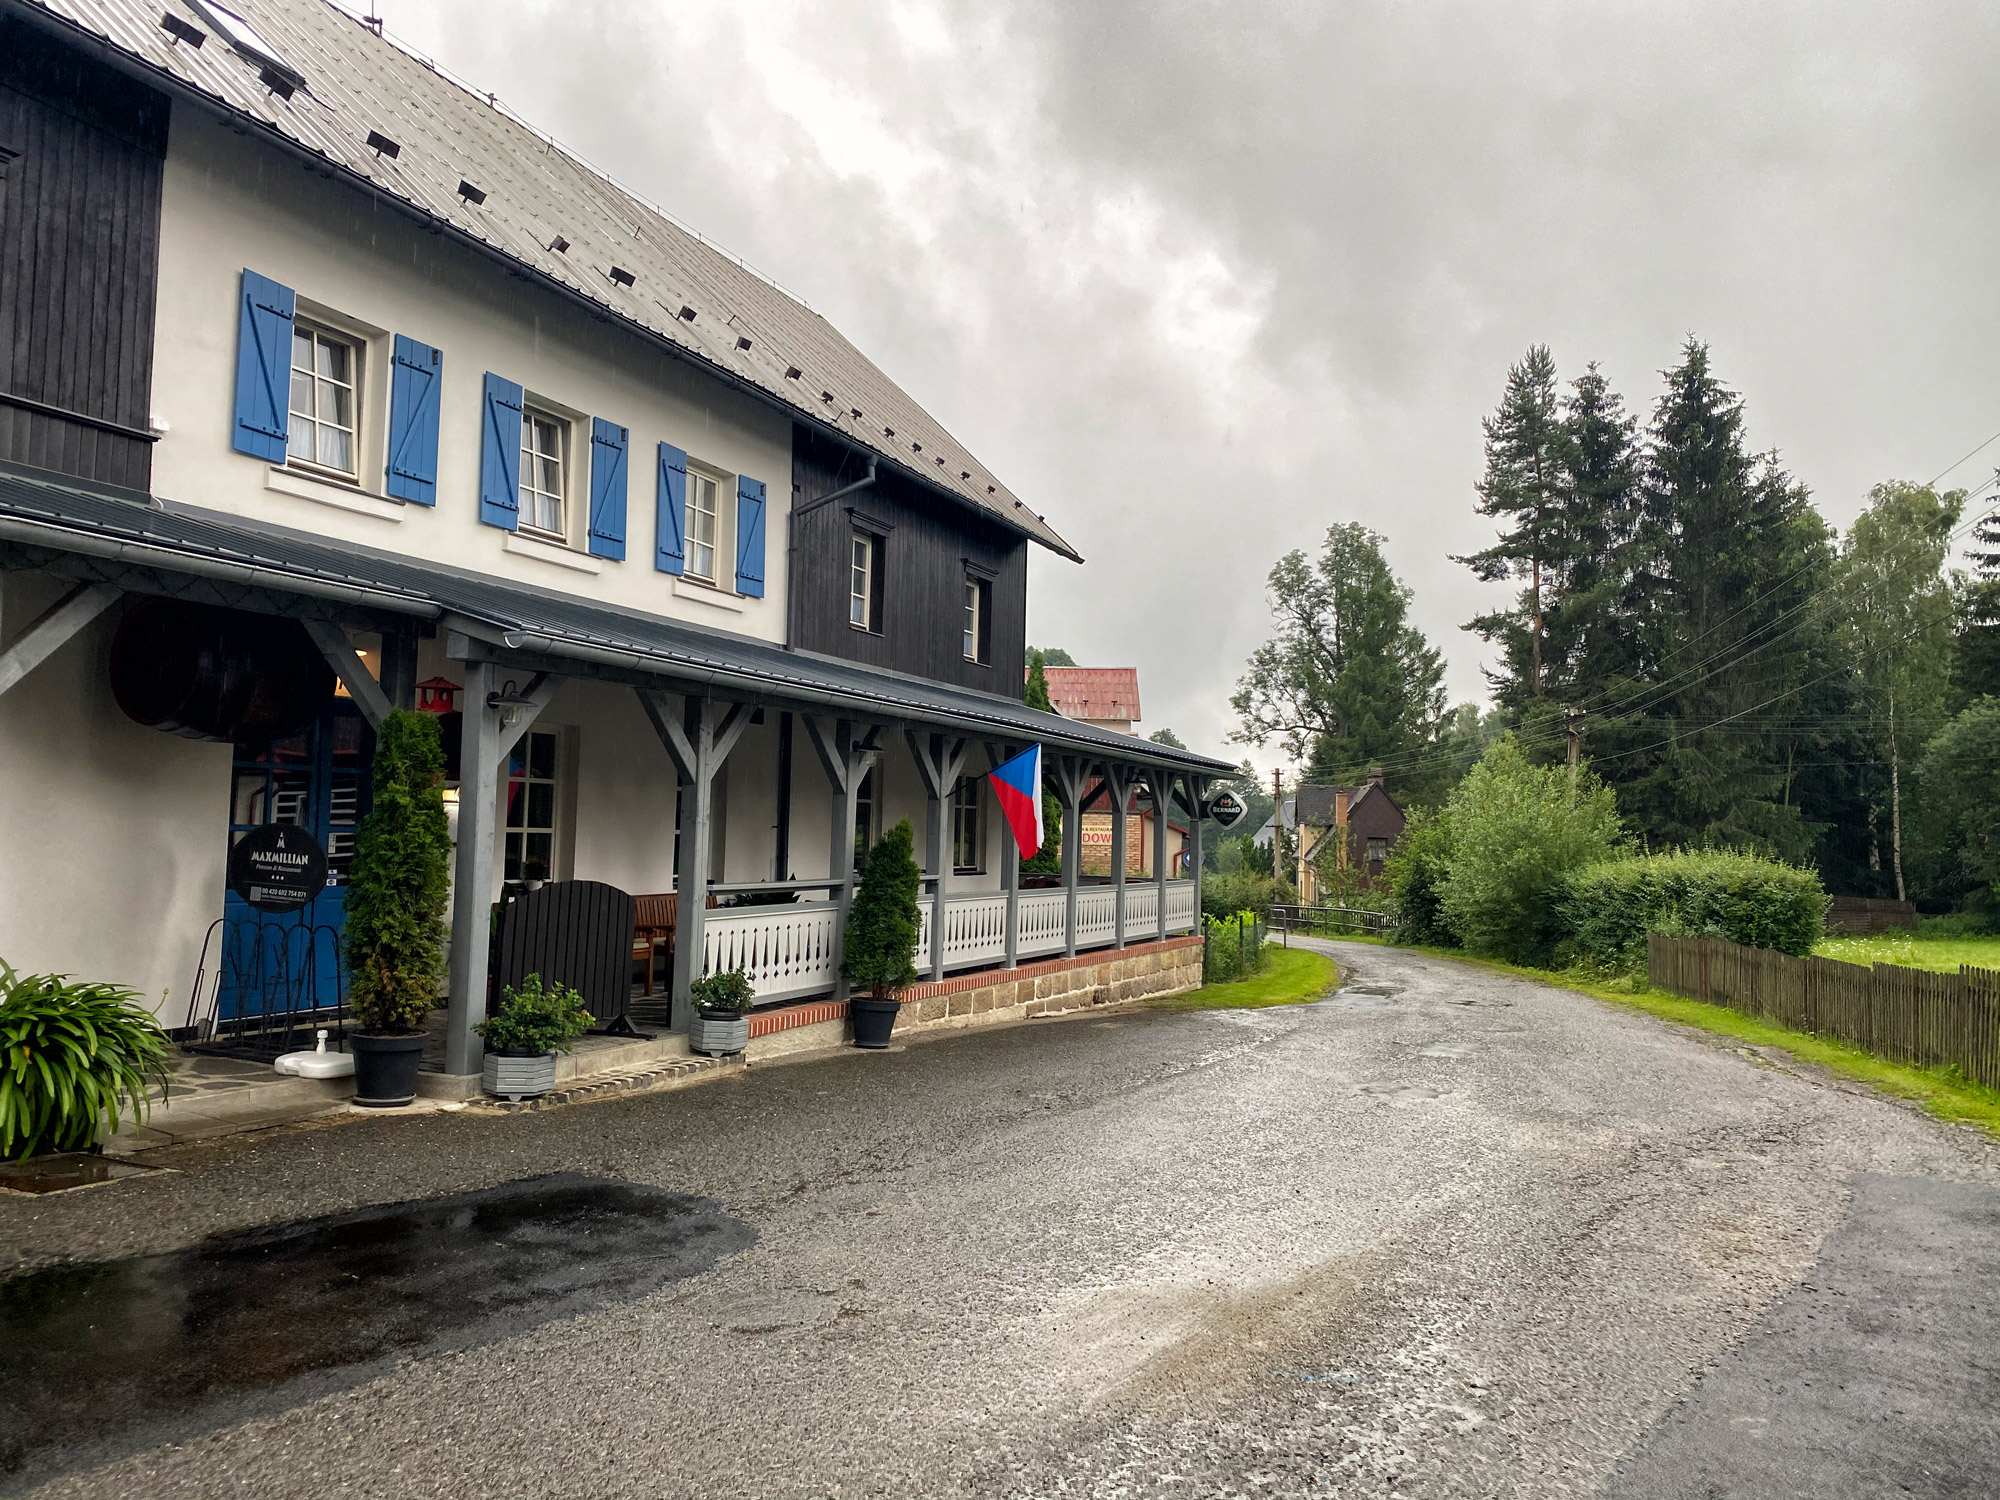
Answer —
510 701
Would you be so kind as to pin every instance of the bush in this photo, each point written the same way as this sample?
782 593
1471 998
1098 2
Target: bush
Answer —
398 884
1607 909
73 1057
1414 875
1224 895
1957 852
536 1018
1517 831
729 993
880 949
1232 947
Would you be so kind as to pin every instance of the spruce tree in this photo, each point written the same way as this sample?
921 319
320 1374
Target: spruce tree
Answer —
394 932
1978 668
1046 860
879 951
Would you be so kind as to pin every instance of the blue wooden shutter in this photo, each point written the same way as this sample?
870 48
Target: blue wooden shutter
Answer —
413 421
607 489
500 454
263 367
671 504
750 537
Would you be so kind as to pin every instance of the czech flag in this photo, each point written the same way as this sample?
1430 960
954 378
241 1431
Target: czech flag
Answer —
1017 784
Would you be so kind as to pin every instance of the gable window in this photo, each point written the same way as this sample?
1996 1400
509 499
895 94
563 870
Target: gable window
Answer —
861 580
978 631
1378 850
968 834
704 526
544 472
325 368
531 808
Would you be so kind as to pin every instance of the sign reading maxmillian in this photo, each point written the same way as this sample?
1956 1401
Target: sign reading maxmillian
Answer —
277 868
1227 808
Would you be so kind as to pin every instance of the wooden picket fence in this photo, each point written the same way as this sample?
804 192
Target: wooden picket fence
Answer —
1906 1015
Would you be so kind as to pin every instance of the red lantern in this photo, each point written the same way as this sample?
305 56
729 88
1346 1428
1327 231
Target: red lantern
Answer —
436 696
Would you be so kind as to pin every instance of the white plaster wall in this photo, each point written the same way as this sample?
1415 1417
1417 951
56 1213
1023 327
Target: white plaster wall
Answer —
229 203
113 837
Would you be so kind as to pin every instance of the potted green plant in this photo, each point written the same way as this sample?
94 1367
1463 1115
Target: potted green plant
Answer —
74 1056
879 952
534 1023
396 892
720 1025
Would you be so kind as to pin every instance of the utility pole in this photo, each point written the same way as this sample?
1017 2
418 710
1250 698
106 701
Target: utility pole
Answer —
1572 722
1278 823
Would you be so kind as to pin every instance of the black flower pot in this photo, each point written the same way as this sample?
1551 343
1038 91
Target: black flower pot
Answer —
873 1020
385 1069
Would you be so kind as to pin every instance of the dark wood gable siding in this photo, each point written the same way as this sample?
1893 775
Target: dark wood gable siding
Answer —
929 545
81 154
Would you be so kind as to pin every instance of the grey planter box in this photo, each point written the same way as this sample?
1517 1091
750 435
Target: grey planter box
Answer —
718 1036
519 1077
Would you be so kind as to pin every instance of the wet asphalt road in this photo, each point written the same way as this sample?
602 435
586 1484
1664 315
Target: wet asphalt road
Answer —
1466 1235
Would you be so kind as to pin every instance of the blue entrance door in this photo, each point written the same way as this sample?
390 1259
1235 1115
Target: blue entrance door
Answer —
278 966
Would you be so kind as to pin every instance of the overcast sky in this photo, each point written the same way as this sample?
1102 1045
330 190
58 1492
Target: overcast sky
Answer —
1200 280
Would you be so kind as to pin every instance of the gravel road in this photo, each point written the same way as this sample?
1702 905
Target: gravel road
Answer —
1446 1233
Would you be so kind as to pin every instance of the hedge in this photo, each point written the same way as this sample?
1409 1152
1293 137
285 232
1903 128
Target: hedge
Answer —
1607 909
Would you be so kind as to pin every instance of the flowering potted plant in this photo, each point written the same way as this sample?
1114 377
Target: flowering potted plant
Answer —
720 1025
535 1022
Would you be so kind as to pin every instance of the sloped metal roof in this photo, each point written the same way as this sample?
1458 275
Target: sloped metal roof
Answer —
1094 692
123 529
536 195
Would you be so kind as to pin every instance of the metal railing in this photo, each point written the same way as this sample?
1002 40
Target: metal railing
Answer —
1330 921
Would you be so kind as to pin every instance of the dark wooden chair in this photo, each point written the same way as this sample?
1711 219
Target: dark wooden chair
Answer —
653 933
578 933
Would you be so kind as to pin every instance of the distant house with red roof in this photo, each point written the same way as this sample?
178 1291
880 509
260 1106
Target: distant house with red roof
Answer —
1107 697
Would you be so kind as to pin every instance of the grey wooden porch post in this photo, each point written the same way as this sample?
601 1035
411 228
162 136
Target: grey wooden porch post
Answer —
1163 804
1010 866
489 733
846 761
472 881
697 742
939 758
1119 780
1197 789
1072 771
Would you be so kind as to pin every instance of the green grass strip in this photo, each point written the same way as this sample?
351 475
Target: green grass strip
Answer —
1289 976
1944 1092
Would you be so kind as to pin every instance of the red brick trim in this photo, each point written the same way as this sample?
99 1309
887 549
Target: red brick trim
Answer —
812 1012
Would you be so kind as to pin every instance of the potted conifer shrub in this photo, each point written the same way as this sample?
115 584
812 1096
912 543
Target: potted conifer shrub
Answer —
720 1025
534 1023
879 954
396 892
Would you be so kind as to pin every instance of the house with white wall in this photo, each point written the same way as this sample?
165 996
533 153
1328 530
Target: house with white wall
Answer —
328 387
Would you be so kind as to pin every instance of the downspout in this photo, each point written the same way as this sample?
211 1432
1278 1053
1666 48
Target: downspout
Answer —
792 538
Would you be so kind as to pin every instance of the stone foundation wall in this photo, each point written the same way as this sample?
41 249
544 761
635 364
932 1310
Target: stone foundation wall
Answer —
994 997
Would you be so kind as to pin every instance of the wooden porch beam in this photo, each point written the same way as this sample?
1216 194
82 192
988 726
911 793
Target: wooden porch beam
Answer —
57 626
340 655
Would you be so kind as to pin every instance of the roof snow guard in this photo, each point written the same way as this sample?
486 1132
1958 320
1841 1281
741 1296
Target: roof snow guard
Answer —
331 87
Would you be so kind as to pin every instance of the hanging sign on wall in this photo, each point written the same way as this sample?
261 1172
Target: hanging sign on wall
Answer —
1227 808
277 868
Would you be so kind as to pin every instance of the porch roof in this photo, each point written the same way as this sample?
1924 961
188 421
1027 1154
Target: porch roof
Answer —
113 532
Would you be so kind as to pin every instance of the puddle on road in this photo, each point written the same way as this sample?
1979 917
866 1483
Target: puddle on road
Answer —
107 1357
1452 1051
1363 998
66 1173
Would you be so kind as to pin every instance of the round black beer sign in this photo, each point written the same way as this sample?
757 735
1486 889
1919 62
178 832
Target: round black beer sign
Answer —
277 868
1227 808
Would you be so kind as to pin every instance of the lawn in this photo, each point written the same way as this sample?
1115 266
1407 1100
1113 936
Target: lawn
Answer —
1941 948
1291 975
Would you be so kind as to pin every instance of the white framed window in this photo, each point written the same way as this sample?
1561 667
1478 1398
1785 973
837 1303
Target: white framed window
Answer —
545 470
704 526
531 808
861 581
971 619
968 830
326 379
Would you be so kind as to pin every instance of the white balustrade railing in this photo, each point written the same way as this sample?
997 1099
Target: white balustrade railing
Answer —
786 950
1096 912
789 951
1142 912
1041 923
975 930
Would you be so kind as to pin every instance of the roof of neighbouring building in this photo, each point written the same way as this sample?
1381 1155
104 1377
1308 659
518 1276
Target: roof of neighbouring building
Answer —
1094 692
1315 803
534 197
